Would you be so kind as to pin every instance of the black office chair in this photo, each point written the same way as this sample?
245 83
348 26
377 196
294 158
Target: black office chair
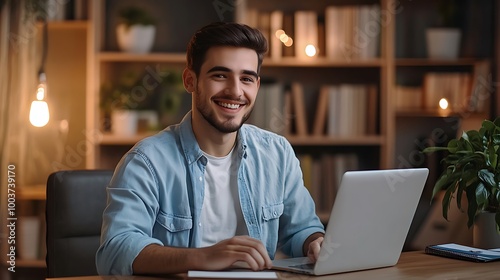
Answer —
75 203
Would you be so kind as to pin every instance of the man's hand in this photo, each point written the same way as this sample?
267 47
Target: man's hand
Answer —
239 248
312 246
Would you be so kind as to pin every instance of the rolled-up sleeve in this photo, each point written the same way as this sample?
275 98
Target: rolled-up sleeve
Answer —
129 217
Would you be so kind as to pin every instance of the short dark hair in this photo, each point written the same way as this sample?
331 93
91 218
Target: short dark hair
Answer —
224 34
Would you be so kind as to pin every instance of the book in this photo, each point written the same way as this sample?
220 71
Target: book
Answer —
306 32
321 111
276 25
299 109
456 251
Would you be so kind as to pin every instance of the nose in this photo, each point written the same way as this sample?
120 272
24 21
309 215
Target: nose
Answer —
234 87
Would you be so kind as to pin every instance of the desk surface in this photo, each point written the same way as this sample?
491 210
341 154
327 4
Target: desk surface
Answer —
411 265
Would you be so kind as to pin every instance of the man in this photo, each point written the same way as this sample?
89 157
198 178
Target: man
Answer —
210 191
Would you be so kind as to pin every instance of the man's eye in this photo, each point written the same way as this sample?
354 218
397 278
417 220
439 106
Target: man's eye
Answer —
219 76
247 79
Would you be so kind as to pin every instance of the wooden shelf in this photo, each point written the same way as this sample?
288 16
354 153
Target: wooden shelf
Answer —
309 140
150 57
370 140
320 62
35 192
31 263
68 24
113 139
437 62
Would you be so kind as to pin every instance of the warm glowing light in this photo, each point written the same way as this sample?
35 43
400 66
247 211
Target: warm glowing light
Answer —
284 37
279 33
40 91
289 42
39 113
443 103
310 50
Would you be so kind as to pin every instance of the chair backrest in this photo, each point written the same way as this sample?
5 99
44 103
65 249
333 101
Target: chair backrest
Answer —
75 203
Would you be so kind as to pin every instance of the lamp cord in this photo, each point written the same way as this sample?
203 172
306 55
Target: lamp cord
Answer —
44 47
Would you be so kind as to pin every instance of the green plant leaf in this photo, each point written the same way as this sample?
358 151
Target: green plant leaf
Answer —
497 220
482 195
442 183
487 177
448 195
434 149
489 126
460 190
472 207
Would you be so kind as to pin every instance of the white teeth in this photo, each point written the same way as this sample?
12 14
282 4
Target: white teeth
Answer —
230 106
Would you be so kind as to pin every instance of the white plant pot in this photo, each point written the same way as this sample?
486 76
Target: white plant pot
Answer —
485 235
136 38
443 43
124 122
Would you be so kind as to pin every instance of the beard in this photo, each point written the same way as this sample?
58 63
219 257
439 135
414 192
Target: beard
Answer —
209 115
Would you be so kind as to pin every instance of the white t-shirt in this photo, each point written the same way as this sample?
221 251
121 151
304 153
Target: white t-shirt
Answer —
221 216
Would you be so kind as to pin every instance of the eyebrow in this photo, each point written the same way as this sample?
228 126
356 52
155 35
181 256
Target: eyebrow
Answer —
225 69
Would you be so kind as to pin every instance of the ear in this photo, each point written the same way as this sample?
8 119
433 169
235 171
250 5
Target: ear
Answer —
189 80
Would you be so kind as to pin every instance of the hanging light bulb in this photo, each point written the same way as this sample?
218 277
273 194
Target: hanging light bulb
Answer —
39 111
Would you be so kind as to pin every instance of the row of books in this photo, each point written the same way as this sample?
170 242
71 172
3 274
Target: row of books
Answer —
347 110
464 91
455 87
341 110
322 175
342 32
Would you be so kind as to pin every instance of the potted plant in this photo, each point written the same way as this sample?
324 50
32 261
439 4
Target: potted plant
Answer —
119 105
136 30
443 40
473 168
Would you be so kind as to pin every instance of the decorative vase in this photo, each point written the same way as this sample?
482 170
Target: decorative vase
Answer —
124 122
443 43
485 235
136 38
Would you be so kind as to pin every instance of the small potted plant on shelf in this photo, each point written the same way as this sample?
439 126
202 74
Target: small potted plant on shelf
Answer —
136 30
119 105
473 168
443 39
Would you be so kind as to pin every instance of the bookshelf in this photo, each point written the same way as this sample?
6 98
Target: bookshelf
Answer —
392 64
400 61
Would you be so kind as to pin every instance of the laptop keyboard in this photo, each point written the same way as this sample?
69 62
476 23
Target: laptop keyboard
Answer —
304 266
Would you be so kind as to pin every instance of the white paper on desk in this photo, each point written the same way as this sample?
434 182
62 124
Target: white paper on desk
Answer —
233 274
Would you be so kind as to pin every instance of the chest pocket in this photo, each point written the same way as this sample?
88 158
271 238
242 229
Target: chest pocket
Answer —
272 212
173 230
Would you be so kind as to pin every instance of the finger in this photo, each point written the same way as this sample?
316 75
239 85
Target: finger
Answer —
256 249
314 248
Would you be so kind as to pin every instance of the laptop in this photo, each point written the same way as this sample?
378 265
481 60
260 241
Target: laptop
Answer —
368 224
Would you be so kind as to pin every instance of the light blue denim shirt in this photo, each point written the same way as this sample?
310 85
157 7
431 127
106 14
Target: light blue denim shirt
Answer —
156 196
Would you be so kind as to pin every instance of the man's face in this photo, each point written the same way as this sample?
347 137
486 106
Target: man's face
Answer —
226 87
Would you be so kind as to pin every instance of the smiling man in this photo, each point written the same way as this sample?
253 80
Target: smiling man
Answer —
211 190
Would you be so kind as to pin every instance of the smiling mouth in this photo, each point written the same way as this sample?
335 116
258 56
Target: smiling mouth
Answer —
229 105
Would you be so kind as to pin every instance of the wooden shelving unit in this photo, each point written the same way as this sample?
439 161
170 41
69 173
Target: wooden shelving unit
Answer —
102 58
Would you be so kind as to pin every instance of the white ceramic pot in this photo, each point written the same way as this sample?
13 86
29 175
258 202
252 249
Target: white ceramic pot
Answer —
124 122
136 38
485 235
443 43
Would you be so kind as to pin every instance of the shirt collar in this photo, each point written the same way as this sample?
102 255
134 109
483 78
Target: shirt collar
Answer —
192 150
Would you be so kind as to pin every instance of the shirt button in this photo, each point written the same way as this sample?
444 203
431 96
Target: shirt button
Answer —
275 213
171 225
199 224
200 179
